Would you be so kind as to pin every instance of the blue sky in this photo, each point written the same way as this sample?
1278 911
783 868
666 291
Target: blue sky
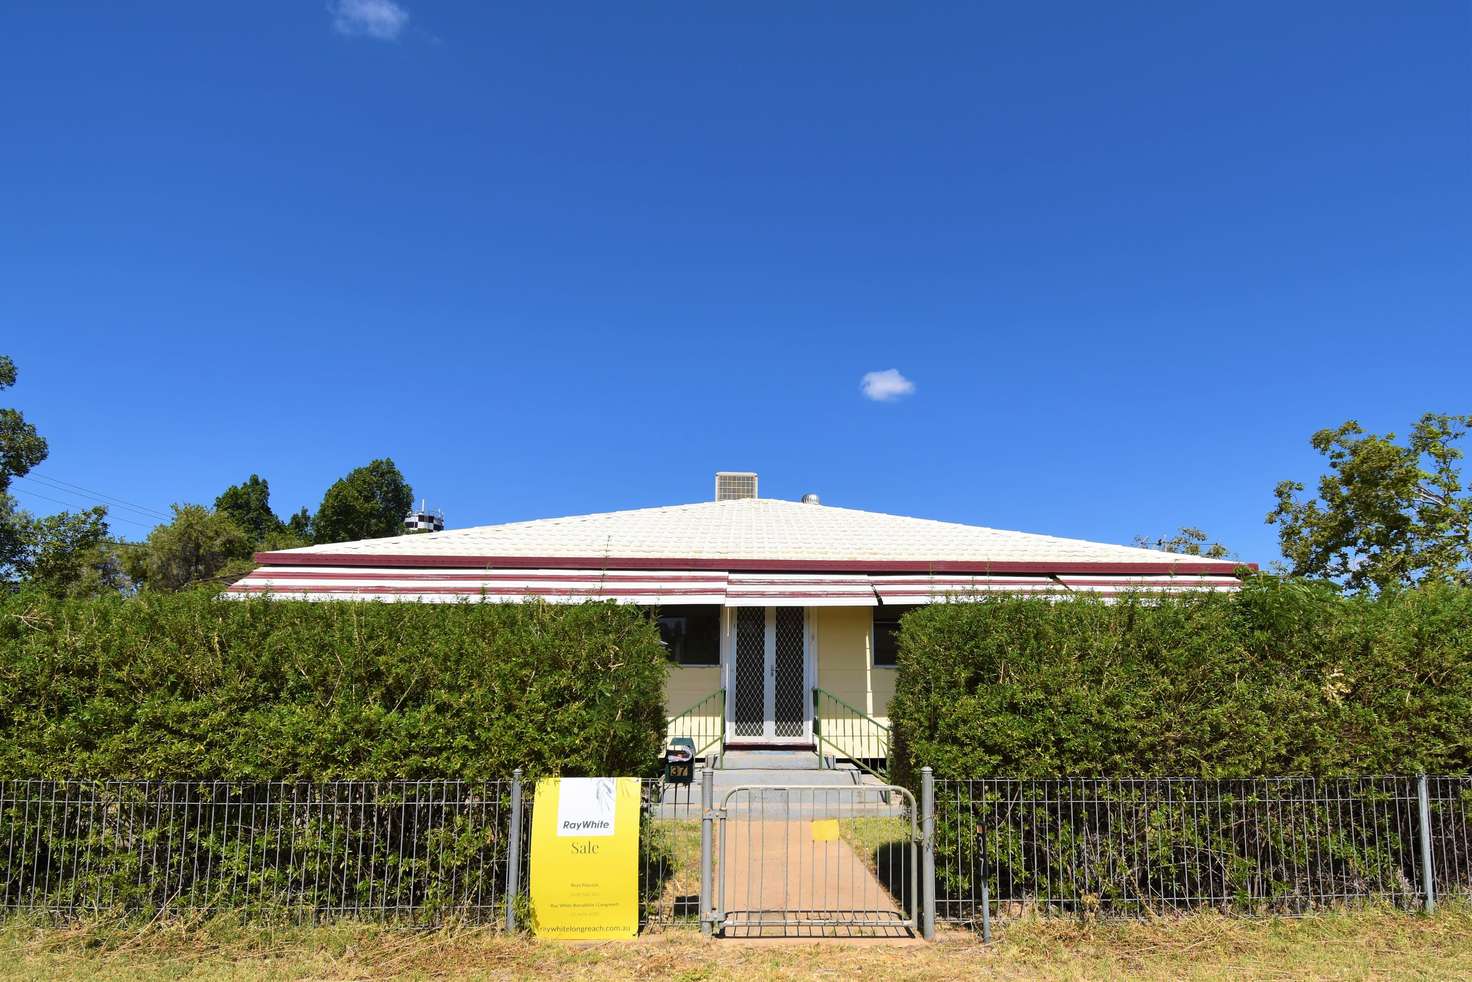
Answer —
558 258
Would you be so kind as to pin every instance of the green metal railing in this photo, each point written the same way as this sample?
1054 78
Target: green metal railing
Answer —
704 723
850 732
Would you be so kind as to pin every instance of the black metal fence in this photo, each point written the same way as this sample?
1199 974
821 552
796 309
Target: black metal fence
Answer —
418 851
1132 847
429 851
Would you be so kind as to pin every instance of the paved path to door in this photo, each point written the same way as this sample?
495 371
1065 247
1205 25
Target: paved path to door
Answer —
795 871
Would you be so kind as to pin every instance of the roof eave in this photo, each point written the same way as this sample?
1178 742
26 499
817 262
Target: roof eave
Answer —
1192 566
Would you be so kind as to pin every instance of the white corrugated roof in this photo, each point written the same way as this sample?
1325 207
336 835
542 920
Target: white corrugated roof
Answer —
748 530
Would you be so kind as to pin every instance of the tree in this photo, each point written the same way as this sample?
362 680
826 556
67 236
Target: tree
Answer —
249 505
198 546
1387 514
300 525
21 447
1187 542
72 554
369 503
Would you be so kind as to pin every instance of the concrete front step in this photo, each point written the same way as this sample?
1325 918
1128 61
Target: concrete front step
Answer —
842 778
770 760
777 768
774 769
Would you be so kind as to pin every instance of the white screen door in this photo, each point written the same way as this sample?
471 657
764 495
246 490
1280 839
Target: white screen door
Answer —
768 689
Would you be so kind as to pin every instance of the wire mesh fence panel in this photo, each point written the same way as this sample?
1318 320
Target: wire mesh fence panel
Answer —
1131 847
1450 805
429 851
817 861
419 850
669 854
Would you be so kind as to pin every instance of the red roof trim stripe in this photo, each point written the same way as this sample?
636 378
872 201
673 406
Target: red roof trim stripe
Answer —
369 593
739 565
533 591
487 577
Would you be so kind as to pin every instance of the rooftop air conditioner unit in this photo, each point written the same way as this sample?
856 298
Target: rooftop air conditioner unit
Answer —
733 485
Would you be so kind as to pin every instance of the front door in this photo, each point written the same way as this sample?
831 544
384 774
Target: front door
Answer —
768 676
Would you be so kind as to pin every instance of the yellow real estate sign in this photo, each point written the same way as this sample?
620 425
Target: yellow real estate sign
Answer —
585 858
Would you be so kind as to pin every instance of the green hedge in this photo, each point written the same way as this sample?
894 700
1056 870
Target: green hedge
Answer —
1283 678
187 686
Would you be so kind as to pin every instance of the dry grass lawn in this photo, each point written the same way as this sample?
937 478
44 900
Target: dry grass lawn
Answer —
1366 945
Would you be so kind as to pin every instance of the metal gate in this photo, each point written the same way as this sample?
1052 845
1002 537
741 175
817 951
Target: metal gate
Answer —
814 861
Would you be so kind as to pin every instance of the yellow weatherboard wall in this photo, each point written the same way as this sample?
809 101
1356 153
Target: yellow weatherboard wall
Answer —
683 688
585 858
844 636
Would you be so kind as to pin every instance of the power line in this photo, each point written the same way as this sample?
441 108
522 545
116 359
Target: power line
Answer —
66 487
73 504
57 484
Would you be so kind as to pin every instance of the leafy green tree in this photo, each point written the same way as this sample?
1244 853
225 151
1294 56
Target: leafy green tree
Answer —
1187 542
12 540
73 554
199 546
1387 514
369 503
249 505
300 525
21 447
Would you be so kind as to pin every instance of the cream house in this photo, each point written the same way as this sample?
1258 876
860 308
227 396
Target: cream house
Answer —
779 616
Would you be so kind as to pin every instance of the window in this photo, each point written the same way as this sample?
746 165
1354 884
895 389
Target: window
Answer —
887 635
691 633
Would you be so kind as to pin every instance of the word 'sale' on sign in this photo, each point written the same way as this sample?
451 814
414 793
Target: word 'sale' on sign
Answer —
585 858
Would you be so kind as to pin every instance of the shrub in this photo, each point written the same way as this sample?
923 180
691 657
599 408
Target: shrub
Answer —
188 686
1283 678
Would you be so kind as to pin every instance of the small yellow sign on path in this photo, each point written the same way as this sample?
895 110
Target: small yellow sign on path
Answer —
825 830
585 858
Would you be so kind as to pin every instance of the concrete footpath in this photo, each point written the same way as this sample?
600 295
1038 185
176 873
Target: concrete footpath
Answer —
780 854
799 878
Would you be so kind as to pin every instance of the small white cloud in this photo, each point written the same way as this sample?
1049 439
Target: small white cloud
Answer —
381 19
886 386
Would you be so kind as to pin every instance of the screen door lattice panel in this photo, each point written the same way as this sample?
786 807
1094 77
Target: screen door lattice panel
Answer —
790 695
748 713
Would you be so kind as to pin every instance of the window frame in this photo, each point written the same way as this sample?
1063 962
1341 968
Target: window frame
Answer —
875 621
684 612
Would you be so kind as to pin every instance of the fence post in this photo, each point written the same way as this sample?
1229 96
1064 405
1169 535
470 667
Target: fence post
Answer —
1428 885
707 806
927 852
513 857
986 904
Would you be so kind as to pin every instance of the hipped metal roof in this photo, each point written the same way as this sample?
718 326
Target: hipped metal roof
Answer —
752 551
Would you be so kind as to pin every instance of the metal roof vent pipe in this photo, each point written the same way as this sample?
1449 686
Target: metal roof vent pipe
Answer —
811 499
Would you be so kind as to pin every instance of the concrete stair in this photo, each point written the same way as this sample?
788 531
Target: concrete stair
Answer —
772 768
777 770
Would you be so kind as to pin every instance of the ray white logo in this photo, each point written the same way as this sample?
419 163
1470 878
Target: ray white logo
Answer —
585 806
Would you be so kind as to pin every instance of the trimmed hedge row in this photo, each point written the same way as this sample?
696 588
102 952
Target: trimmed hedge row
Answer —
188 686
1282 678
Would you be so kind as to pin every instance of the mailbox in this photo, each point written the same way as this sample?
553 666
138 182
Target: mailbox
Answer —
679 761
